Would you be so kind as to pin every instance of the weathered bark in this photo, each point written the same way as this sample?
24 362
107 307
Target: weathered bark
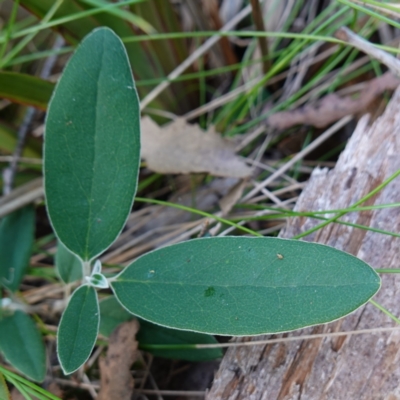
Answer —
347 367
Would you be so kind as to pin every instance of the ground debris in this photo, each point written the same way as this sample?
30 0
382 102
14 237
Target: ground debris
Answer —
182 148
333 107
116 378
232 197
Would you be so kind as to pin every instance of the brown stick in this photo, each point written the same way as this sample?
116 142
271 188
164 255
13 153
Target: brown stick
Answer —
262 41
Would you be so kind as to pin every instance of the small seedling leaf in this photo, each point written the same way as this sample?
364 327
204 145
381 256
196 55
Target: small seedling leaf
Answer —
92 146
22 345
245 286
16 240
98 281
68 265
78 329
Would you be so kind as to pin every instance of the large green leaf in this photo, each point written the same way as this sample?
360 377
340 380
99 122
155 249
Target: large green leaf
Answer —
25 89
78 329
92 146
245 286
16 240
153 338
68 265
22 345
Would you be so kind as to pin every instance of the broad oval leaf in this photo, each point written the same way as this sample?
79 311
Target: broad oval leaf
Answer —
156 339
68 265
78 329
92 146
16 240
22 345
245 286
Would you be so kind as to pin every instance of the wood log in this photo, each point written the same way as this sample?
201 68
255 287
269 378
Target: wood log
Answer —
352 366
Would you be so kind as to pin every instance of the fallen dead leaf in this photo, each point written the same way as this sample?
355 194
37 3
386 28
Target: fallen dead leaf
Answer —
333 107
182 148
116 379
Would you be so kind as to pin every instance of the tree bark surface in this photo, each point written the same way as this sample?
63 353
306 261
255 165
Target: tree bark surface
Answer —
346 367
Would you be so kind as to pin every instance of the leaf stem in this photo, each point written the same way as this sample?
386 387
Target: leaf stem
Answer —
86 269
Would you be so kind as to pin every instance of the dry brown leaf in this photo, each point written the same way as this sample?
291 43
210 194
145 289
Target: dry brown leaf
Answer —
116 379
182 148
332 107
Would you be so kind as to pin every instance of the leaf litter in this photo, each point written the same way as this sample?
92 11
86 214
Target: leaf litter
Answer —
116 378
182 148
332 107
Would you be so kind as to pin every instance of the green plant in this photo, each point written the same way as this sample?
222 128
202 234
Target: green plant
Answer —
20 340
227 285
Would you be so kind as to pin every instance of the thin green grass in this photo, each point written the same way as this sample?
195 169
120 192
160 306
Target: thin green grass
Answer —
385 311
26 387
356 204
27 39
8 31
70 18
198 212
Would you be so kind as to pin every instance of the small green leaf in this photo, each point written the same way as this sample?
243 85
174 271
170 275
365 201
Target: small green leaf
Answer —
78 329
98 281
113 314
152 337
92 146
4 393
245 286
68 265
16 240
22 345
